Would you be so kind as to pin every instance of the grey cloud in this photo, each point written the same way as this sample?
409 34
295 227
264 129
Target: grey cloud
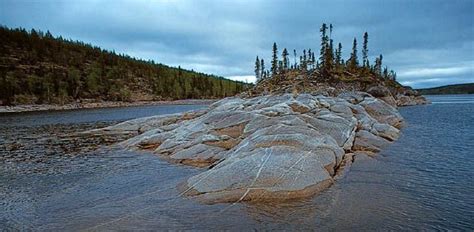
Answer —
223 37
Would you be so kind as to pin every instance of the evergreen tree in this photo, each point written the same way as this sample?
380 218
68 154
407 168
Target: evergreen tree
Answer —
309 58
330 31
365 51
385 73
280 66
324 43
286 61
257 69
327 53
294 53
301 62
339 54
378 65
275 59
304 62
392 75
353 60
262 69
329 60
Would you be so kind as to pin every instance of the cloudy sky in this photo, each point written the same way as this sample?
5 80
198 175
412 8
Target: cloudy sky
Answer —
428 42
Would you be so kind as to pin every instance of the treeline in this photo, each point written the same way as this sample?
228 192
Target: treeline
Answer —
330 64
36 67
449 89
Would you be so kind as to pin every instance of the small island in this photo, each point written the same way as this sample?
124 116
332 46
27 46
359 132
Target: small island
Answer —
290 136
236 115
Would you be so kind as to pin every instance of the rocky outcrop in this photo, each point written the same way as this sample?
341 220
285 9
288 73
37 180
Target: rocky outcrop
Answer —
398 97
268 147
410 100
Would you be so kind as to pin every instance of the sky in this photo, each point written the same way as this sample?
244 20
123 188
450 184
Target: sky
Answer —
427 42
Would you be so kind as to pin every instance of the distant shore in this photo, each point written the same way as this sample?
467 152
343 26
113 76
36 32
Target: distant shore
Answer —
105 104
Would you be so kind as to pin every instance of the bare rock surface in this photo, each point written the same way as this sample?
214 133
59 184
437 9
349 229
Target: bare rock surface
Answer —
273 147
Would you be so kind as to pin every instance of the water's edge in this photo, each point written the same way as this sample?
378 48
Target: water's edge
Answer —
416 183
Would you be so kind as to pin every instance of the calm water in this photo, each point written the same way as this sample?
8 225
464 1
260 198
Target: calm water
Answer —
424 181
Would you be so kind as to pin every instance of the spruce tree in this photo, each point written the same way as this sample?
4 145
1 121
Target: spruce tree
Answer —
385 72
294 54
378 65
338 54
327 53
262 69
304 62
324 43
329 60
330 31
257 69
275 59
365 51
286 61
353 60
301 62
309 58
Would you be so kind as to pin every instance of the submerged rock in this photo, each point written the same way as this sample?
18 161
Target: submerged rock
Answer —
273 147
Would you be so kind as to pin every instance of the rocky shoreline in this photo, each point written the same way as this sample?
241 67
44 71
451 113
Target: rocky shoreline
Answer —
93 105
270 147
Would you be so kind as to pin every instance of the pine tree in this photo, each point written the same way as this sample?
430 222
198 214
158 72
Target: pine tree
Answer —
393 75
294 53
327 53
309 58
280 66
286 61
329 61
304 63
324 43
330 31
365 51
301 62
275 59
338 54
262 69
385 72
378 65
257 69
353 60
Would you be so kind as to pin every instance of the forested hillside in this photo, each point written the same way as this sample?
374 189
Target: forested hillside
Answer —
36 67
450 89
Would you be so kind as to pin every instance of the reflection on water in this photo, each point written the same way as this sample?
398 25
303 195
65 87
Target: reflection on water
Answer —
423 181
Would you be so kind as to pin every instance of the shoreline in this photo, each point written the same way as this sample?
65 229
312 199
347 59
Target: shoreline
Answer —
98 105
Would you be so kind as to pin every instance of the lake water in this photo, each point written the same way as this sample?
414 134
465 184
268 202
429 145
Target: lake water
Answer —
52 181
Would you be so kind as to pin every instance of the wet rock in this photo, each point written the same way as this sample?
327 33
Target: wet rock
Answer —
273 147
382 112
411 100
366 141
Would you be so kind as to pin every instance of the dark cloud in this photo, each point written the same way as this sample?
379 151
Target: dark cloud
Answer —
428 43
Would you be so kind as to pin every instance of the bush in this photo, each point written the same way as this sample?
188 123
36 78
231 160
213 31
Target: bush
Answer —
24 99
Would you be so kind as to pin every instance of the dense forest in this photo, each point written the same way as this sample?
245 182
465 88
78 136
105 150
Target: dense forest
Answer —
328 67
37 67
450 89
